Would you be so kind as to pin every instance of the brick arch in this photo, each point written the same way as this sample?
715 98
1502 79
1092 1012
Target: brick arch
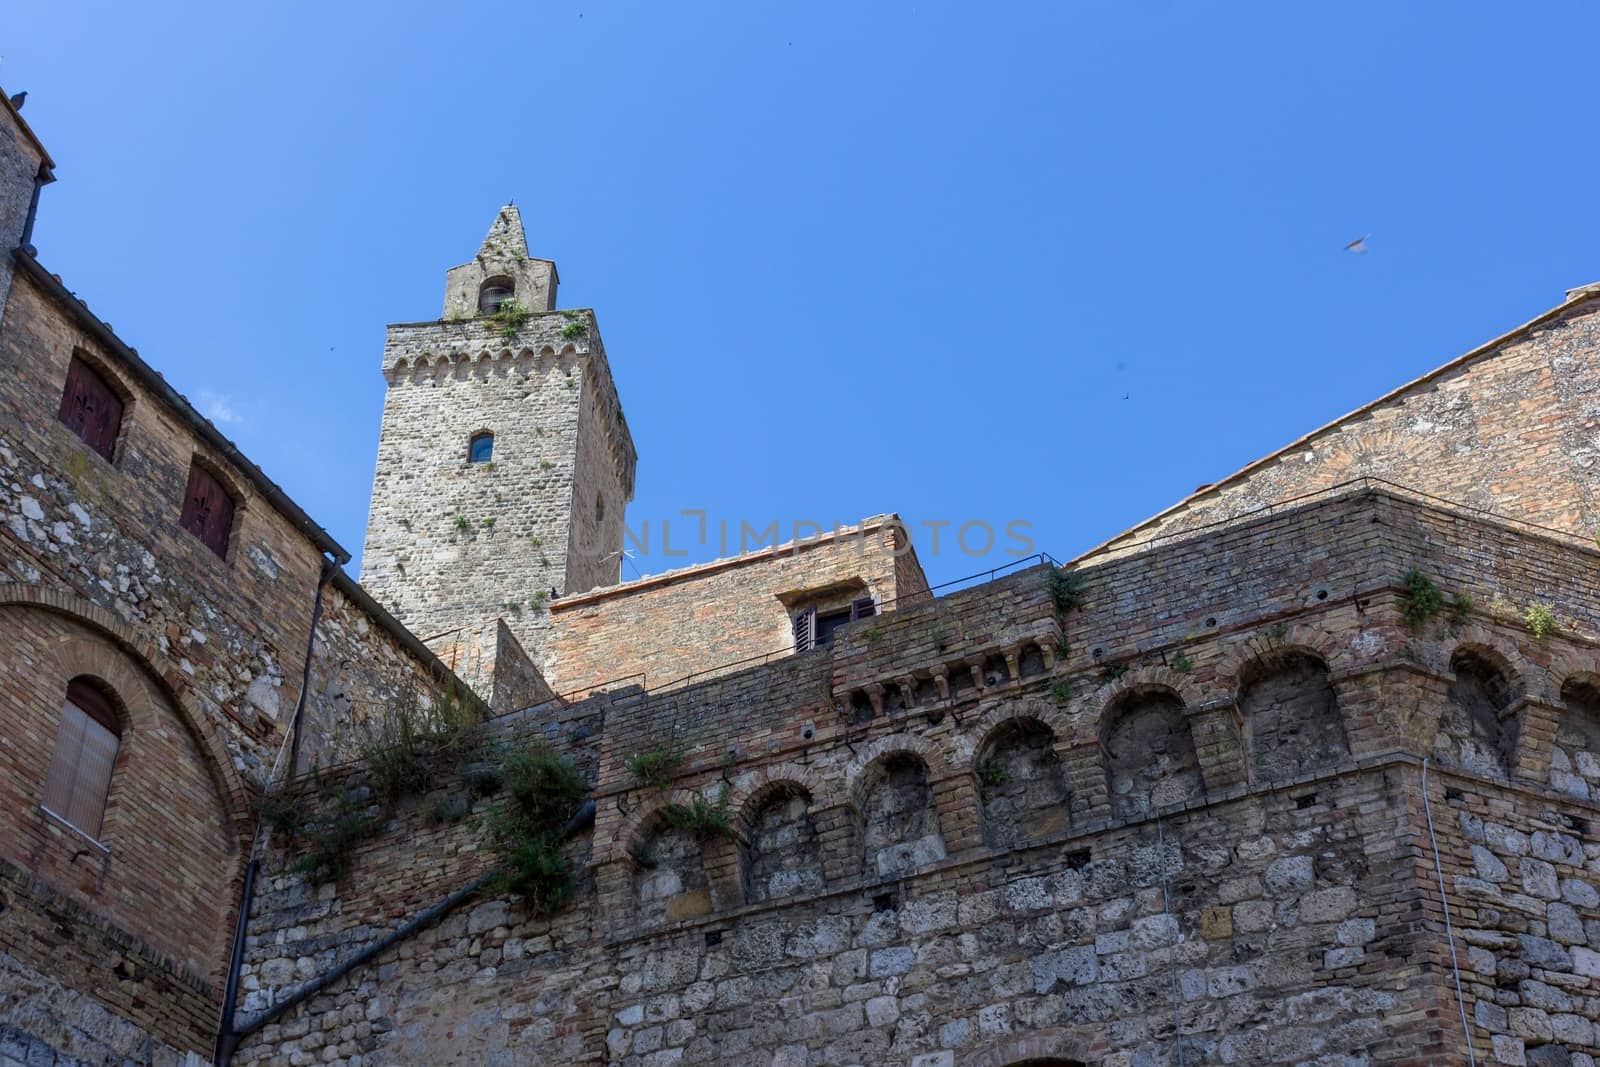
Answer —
931 755
1494 649
1303 640
213 750
648 820
964 752
569 349
756 787
1073 1045
1569 665
1143 680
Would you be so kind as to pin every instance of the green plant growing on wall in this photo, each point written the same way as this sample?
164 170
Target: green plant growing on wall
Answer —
1182 663
543 788
706 818
1541 622
343 821
281 812
546 465
488 524
1460 610
1061 690
510 317
463 523
1066 590
574 328
655 766
992 774
1112 671
1420 601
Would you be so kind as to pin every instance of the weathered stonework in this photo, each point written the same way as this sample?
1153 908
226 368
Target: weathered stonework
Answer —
1225 804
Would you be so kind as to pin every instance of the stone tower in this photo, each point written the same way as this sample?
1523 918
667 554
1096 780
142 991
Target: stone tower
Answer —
504 461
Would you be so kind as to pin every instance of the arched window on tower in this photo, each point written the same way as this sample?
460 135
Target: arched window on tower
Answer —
79 779
495 291
481 448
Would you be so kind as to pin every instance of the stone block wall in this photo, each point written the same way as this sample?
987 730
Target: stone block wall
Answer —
945 877
1463 432
451 543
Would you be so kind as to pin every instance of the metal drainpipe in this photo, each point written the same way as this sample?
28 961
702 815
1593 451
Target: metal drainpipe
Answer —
43 178
227 1039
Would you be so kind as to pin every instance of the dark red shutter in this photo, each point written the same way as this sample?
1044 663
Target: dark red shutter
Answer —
863 608
207 510
90 409
805 630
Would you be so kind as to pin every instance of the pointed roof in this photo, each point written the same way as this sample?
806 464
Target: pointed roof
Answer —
505 239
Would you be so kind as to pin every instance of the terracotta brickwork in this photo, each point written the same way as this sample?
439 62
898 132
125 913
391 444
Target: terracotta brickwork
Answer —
712 616
1275 914
1506 428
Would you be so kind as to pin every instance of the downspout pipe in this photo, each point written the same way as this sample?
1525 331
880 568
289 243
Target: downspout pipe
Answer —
328 569
230 993
581 820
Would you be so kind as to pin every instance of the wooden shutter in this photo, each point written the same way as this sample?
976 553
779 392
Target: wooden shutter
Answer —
90 409
863 608
207 510
805 630
79 779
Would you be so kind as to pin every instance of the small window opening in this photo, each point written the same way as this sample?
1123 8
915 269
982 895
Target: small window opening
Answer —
90 409
79 779
814 629
481 448
207 510
599 510
495 291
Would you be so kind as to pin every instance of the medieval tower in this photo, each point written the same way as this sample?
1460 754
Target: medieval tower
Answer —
504 462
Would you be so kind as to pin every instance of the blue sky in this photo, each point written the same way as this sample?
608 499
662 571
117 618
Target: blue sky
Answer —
1054 263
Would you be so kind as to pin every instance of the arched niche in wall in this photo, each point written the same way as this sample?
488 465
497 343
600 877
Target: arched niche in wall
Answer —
1575 750
670 883
1291 715
899 823
783 854
1150 757
1021 784
1475 732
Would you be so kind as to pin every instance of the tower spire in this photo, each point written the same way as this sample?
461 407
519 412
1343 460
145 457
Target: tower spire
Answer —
502 270
506 241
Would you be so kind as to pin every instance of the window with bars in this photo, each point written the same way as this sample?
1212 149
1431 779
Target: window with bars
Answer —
815 629
90 409
79 780
207 510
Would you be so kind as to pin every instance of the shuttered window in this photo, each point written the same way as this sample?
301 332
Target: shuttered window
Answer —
80 768
207 510
90 409
815 630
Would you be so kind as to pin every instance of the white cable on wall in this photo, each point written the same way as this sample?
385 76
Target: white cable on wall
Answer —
1449 931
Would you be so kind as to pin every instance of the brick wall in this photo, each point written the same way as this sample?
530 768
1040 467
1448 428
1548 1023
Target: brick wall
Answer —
1507 428
710 616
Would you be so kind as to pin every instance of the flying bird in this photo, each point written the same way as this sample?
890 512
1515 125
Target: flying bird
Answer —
18 100
1359 245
